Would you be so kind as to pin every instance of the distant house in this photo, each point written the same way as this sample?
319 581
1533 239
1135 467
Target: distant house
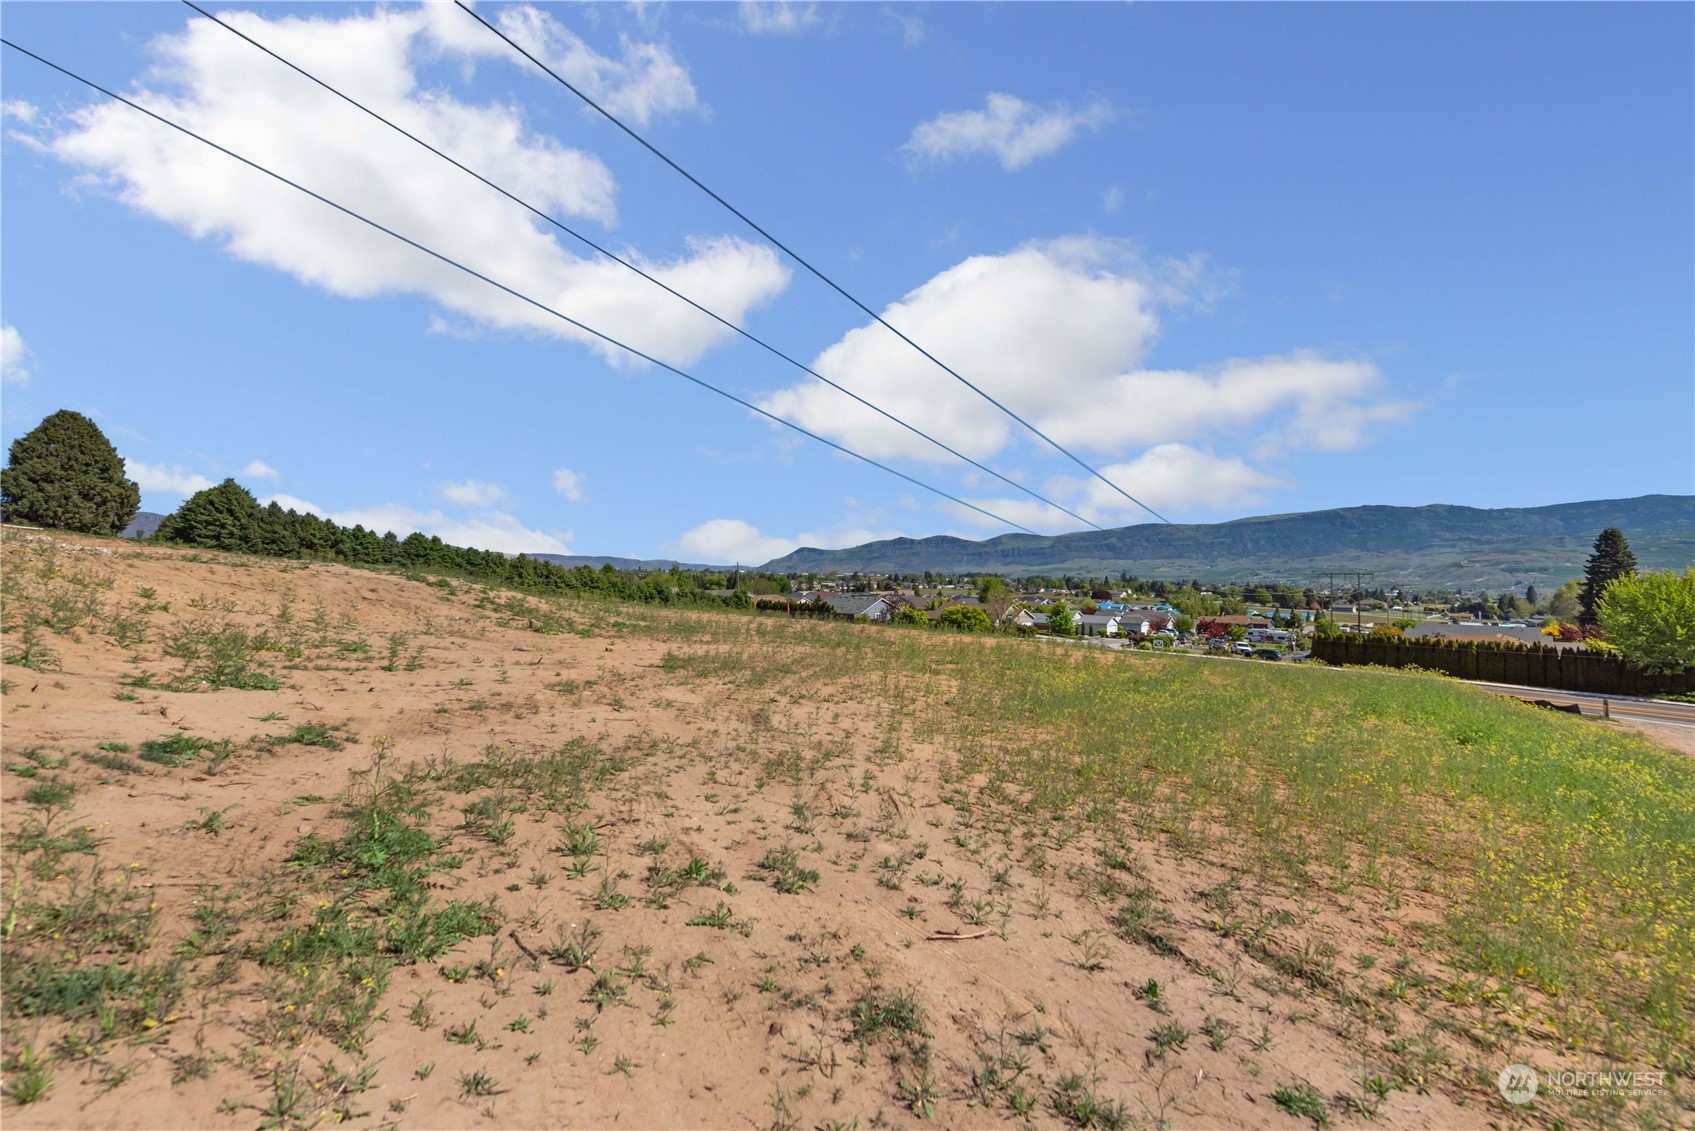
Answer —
871 606
1024 618
1096 624
1132 622
1244 622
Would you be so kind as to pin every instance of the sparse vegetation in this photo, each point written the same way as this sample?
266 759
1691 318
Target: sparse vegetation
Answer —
1303 1100
982 805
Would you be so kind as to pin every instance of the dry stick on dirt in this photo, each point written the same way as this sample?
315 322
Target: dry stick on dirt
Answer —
528 953
954 936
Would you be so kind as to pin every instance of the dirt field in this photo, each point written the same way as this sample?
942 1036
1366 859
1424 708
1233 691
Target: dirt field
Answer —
652 893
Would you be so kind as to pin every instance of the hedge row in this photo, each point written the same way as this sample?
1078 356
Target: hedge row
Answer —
1499 661
795 608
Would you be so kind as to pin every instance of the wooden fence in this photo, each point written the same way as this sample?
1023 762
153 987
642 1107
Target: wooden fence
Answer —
1530 665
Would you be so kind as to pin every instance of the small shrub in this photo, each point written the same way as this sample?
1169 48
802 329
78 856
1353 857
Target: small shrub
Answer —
1303 1100
782 866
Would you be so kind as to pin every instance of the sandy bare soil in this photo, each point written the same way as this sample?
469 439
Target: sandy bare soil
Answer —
929 958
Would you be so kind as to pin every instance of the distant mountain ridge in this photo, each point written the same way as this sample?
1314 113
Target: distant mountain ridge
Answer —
1436 545
644 565
142 525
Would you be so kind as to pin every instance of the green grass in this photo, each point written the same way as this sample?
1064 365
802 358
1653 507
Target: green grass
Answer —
220 653
111 761
1303 1100
174 751
1562 851
327 736
877 1013
27 1077
782 867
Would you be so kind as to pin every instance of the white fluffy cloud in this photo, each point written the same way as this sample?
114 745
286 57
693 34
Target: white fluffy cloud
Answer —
1011 129
259 469
1174 477
14 356
490 530
213 83
777 17
473 493
727 541
1167 477
647 82
569 484
292 503
164 479
1060 332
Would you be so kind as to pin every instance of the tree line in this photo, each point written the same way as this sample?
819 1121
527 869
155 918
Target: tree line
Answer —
65 474
228 517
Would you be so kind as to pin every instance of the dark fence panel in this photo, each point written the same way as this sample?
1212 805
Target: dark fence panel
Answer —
1526 665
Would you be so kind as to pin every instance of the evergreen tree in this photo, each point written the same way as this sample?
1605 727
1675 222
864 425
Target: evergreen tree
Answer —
225 517
1612 558
277 537
66 474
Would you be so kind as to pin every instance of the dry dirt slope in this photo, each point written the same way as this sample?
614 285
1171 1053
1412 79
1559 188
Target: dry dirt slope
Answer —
661 897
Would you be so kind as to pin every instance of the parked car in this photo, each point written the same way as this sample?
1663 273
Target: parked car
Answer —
1242 648
1268 653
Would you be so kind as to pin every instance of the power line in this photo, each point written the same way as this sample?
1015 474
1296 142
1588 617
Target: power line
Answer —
511 291
831 283
633 267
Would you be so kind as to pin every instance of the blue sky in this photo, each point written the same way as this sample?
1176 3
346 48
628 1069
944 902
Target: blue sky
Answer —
1246 259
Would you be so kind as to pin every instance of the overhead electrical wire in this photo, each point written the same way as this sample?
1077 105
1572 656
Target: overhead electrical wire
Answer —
792 254
633 267
632 350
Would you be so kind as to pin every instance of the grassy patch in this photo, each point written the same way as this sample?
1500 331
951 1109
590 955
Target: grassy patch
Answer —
1303 1100
174 751
782 867
329 736
1560 853
221 653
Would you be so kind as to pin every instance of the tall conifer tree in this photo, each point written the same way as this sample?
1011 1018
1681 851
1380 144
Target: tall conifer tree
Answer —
1612 558
66 474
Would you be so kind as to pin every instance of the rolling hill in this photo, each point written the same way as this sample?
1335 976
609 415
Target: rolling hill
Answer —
1438 545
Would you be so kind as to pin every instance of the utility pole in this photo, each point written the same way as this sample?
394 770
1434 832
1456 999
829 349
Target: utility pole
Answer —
1359 589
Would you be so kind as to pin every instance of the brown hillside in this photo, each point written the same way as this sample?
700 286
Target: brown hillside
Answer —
698 894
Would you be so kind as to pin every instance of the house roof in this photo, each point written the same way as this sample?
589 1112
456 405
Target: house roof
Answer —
855 604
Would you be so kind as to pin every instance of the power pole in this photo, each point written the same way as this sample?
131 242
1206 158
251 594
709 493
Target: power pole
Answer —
1359 589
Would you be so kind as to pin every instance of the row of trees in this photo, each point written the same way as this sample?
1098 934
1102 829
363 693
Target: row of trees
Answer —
65 474
228 517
